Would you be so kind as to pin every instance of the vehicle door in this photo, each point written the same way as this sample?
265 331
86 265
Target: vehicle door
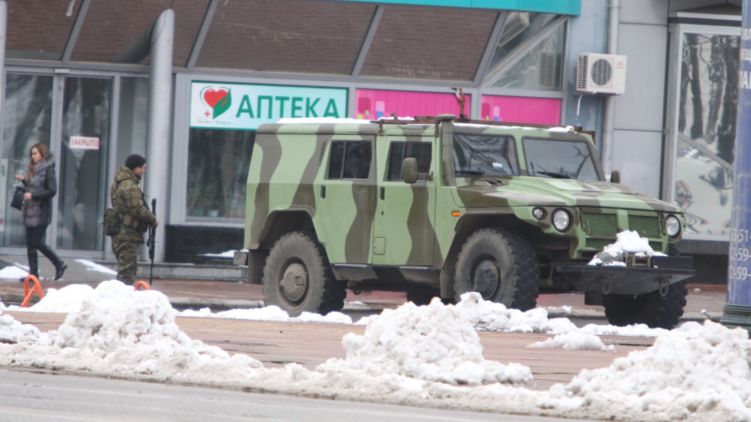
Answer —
346 198
404 233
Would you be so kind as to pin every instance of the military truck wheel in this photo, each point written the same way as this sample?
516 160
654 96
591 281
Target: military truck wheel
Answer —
297 277
499 265
653 309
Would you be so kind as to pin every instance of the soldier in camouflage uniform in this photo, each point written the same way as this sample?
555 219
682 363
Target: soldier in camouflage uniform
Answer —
135 217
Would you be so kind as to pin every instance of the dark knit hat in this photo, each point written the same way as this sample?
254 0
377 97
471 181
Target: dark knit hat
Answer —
134 161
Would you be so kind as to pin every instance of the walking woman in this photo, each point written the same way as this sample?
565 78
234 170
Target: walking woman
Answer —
41 187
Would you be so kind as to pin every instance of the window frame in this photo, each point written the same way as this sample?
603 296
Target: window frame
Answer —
347 143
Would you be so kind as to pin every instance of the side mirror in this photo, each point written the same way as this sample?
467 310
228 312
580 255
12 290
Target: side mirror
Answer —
615 176
409 170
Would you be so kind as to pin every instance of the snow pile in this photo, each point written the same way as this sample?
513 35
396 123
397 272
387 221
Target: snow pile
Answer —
573 341
123 332
268 313
93 266
696 372
12 272
428 343
67 299
626 242
12 331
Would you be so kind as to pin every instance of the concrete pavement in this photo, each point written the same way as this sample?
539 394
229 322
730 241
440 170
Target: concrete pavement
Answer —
192 286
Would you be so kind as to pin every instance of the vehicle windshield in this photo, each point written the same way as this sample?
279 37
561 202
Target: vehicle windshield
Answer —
484 155
560 159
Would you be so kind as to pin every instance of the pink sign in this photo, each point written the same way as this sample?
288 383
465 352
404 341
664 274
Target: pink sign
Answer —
543 111
375 103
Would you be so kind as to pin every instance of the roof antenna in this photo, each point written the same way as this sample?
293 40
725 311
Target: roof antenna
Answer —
69 10
461 100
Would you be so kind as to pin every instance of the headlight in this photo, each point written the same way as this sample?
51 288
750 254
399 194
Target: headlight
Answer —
672 226
561 220
538 213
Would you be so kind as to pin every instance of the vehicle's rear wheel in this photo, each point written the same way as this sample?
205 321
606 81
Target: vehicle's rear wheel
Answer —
653 309
501 266
297 277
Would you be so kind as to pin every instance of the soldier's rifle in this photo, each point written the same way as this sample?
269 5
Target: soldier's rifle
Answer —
151 243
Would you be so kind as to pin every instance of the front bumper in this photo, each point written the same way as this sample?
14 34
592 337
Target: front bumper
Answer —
656 273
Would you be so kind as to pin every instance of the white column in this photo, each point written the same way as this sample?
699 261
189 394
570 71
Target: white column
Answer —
159 120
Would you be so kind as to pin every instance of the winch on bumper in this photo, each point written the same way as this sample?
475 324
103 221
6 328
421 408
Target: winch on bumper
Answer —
641 274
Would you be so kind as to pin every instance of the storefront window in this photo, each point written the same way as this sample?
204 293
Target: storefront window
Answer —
26 120
706 132
132 118
218 163
539 69
82 161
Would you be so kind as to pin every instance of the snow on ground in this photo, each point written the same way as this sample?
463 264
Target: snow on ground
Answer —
573 340
424 342
13 273
268 313
426 356
627 241
93 266
226 254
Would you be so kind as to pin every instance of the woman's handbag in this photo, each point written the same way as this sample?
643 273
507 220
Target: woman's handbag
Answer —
17 200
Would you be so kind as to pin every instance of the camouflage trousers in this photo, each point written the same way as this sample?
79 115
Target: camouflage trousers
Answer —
126 252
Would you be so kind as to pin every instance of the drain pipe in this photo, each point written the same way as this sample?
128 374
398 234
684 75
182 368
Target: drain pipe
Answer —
158 132
614 7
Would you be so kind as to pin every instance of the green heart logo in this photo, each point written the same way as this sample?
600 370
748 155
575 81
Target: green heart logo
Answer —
219 99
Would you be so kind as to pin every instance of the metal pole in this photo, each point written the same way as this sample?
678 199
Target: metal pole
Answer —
737 311
609 117
160 95
3 37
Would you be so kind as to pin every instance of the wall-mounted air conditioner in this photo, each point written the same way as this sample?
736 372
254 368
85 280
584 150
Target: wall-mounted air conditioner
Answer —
601 73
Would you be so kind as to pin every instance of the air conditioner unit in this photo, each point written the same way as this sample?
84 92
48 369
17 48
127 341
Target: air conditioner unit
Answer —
601 73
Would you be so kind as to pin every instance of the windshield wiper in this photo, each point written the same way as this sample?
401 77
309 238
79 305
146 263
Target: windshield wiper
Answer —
470 172
554 174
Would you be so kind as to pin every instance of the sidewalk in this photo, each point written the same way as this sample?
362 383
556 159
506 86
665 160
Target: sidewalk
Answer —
704 300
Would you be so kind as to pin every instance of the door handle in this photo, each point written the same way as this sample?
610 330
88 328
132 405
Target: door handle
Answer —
383 192
323 191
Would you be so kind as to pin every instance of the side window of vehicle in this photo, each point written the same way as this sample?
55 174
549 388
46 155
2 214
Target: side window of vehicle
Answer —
350 160
398 151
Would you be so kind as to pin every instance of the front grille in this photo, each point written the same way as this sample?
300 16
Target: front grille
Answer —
604 225
646 226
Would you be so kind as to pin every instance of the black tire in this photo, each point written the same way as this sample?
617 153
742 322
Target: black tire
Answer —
499 265
421 295
653 309
310 286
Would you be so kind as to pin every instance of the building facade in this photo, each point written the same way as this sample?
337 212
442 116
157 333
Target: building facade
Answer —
79 76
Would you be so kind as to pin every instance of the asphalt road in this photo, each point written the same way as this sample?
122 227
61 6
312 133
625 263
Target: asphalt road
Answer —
44 396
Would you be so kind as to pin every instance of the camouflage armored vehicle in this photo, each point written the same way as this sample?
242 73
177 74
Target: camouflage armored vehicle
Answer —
439 207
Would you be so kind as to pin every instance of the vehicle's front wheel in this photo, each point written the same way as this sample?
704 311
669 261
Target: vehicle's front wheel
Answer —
501 266
654 309
297 277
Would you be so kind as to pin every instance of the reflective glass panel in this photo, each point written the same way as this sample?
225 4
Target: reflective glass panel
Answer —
412 41
26 120
706 131
286 35
39 29
480 155
218 163
82 183
132 118
539 69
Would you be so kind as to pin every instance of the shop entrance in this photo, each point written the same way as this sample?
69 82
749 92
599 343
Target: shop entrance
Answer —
77 116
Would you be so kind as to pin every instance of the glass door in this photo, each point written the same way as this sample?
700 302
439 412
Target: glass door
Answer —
27 117
82 162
